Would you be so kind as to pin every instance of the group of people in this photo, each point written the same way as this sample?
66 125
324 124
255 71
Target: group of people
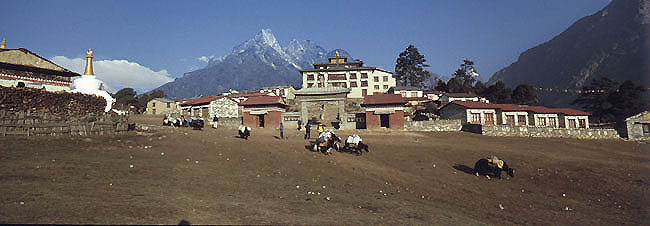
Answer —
320 129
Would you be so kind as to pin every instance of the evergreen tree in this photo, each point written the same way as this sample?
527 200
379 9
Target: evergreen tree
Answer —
479 88
126 97
595 99
463 79
441 86
628 100
498 93
524 94
409 70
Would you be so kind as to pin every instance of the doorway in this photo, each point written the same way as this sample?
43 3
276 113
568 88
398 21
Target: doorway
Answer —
360 119
384 121
260 118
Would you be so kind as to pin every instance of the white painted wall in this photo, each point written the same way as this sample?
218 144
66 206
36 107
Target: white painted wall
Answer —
482 114
576 117
548 118
515 114
355 92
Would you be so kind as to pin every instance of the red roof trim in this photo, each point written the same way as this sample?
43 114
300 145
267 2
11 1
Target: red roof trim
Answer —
512 107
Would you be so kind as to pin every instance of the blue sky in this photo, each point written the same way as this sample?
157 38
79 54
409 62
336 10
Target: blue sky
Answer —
168 37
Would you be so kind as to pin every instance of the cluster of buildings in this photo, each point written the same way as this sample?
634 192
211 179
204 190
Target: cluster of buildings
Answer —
350 95
339 94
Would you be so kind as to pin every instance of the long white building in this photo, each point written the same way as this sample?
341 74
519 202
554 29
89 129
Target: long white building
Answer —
338 72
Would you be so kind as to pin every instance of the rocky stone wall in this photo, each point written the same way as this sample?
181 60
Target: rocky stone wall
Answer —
433 125
30 124
524 131
228 122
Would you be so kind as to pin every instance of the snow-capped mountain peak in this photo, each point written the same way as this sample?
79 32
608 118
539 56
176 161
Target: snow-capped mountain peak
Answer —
257 62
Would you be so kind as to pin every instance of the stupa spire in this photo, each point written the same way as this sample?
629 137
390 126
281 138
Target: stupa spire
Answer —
3 44
89 63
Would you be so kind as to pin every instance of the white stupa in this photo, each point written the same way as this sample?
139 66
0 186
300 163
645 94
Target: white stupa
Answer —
89 84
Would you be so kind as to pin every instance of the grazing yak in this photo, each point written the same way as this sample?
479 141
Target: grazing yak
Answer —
492 166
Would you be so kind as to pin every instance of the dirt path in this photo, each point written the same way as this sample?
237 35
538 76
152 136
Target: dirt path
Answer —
212 177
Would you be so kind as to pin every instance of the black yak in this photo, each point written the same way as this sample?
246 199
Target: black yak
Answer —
492 166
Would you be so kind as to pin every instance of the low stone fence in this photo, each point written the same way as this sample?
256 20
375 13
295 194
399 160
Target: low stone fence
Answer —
228 123
28 124
524 131
433 125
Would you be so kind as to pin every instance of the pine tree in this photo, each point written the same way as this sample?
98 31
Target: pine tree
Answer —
594 98
409 69
441 86
498 93
463 79
524 94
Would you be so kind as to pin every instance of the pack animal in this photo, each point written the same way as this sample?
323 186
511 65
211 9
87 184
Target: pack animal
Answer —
492 166
355 144
197 124
325 141
244 132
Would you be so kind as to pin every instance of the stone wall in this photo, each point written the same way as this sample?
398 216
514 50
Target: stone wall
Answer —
30 124
524 131
433 125
227 122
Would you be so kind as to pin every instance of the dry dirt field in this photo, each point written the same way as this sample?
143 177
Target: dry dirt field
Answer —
212 177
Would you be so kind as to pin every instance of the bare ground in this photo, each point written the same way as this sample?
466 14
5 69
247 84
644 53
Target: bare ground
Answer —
212 177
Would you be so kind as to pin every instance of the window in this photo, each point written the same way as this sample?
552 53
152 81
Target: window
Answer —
510 120
169 105
339 84
582 123
541 121
336 77
475 118
321 77
364 75
572 123
376 78
521 120
310 77
309 85
551 122
646 129
364 83
385 86
376 86
489 118
153 104
353 84
385 78
353 75
364 92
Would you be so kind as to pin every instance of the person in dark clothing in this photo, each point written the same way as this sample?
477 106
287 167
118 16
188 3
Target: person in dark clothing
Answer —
307 130
215 120
281 131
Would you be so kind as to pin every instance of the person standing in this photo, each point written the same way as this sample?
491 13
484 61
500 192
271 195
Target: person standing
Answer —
307 130
281 131
215 120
